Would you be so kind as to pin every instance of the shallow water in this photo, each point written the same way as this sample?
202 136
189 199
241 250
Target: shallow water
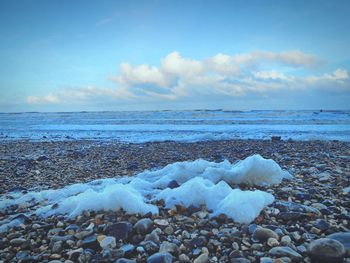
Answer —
183 126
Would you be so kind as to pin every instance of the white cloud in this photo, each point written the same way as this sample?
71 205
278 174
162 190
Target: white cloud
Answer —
228 75
48 99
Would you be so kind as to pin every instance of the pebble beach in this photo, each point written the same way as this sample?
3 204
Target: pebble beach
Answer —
308 222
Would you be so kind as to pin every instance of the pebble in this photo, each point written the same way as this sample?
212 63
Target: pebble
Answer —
342 237
203 258
119 230
169 247
125 260
326 250
272 242
263 234
17 241
143 226
161 222
108 242
184 259
285 252
162 257
286 240
266 260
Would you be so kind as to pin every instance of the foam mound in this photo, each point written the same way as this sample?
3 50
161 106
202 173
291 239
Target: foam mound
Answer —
200 183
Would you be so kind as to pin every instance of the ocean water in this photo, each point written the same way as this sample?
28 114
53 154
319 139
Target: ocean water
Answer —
182 126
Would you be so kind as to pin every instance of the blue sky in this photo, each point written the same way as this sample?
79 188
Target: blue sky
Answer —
149 55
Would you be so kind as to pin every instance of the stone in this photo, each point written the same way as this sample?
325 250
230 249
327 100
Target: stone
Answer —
240 260
252 228
108 242
125 260
322 225
198 241
203 258
342 237
272 242
275 138
285 252
161 222
74 254
326 250
153 237
263 234
91 242
149 246
119 230
57 247
184 259
23 256
17 241
266 260
169 247
286 240
169 230
173 184
143 226
160 258
127 249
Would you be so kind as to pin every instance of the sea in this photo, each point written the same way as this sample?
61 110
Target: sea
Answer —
179 126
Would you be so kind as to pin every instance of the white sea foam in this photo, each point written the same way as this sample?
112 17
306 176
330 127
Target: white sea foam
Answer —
201 183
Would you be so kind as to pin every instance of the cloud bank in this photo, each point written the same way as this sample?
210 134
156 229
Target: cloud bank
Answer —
178 77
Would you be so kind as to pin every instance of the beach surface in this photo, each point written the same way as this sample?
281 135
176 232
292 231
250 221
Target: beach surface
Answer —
313 205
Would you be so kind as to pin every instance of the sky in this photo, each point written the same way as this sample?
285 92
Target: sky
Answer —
155 55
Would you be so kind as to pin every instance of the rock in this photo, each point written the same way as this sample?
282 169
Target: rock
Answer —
149 246
284 206
252 228
91 242
285 252
108 242
184 259
173 184
287 216
17 241
266 260
160 258
240 260
127 249
286 240
275 138
125 260
119 230
326 250
263 234
272 242
161 222
169 230
203 258
42 158
74 254
198 241
143 226
61 238
24 256
301 249
342 237
153 237
169 247
57 247
322 225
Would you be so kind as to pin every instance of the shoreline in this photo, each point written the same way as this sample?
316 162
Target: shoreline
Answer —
42 165
309 207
